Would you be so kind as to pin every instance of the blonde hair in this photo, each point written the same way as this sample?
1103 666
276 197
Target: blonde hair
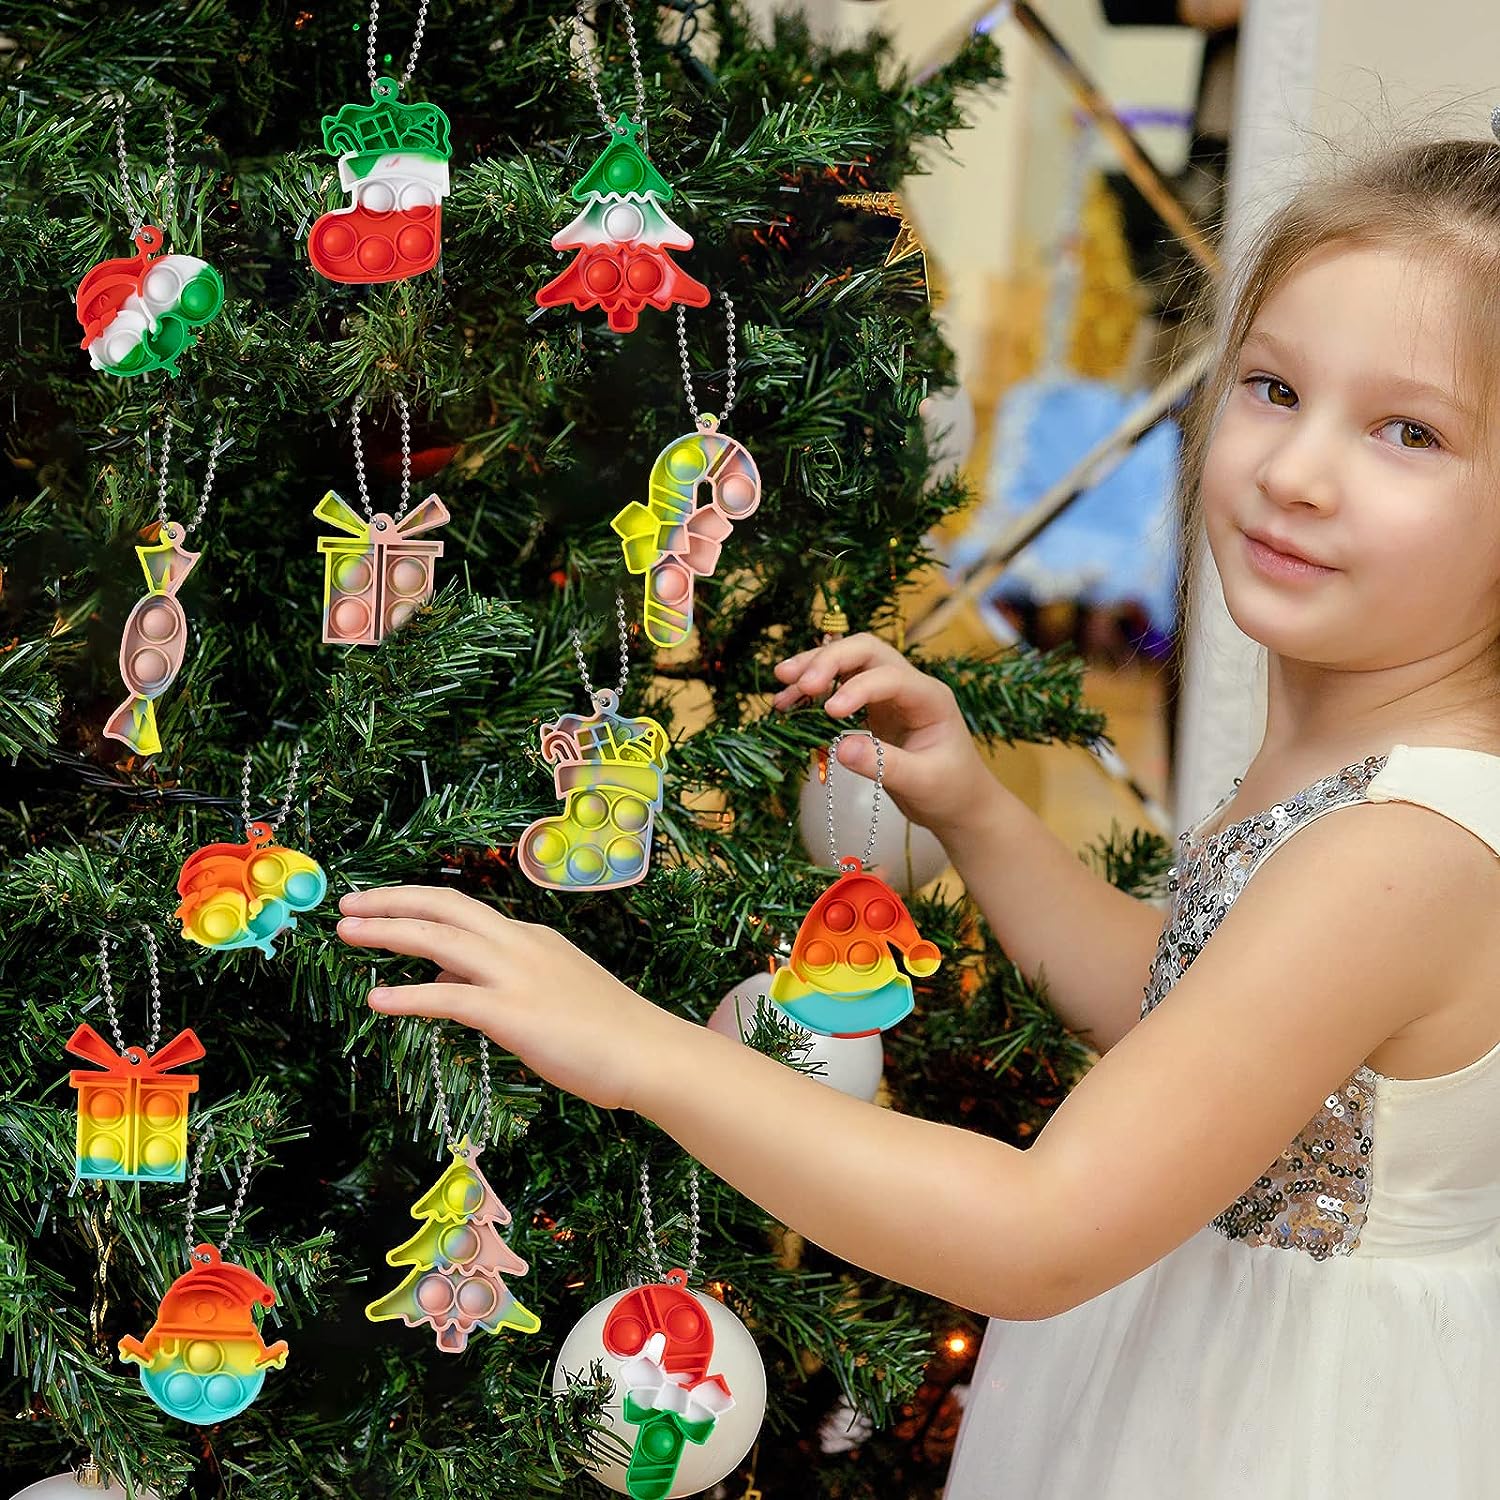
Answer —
1438 199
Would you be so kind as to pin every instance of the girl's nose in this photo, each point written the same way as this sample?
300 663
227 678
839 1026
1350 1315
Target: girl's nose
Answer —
1299 469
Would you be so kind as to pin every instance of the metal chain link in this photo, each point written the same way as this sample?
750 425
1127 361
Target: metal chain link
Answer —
274 822
205 1135
137 222
687 371
215 447
583 670
694 1222
416 42
591 71
107 992
359 457
486 1093
833 757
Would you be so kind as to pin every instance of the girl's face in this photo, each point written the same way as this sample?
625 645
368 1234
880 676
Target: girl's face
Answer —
1347 438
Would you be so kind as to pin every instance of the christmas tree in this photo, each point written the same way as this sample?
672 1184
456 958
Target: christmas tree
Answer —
419 758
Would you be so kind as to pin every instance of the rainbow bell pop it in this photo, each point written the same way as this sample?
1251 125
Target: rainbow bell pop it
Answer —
622 238
153 642
204 1359
393 162
376 577
672 538
664 1337
139 312
842 979
132 1118
608 770
244 895
457 1259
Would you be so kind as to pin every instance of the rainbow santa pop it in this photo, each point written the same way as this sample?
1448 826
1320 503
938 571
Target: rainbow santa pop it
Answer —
244 895
204 1359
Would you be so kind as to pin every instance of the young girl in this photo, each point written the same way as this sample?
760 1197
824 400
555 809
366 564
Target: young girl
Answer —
1257 1249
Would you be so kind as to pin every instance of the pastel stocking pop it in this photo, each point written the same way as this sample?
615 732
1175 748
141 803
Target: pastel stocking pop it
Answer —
377 576
153 642
204 1359
139 312
842 979
457 1260
132 1117
393 163
608 770
622 238
244 895
674 539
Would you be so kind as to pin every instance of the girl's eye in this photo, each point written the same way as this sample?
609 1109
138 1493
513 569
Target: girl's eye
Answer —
1413 435
1277 392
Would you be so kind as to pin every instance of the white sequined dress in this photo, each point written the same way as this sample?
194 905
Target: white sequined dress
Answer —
1335 1331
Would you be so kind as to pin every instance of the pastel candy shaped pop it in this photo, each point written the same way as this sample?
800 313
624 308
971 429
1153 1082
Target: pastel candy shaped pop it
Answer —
842 979
674 538
244 895
132 1117
393 163
153 641
378 576
457 1260
608 770
204 1359
622 238
139 313
666 1341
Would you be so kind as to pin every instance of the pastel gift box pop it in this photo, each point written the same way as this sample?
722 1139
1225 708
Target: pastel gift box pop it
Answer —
622 238
204 1359
378 576
842 979
457 1260
393 163
153 641
139 312
673 538
132 1117
608 770
244 895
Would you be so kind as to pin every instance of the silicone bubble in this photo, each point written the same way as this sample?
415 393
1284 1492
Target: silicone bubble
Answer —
204 1359
700 485
843 979
132 1117
246 895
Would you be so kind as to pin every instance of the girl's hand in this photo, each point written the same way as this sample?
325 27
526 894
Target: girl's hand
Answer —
932 768
526 986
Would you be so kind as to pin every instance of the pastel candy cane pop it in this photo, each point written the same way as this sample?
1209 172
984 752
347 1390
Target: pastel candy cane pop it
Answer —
674 538
204 1359
244 895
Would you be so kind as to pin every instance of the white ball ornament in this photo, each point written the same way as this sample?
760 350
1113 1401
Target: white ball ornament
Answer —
70 1486
851 1064
734 1359
907 856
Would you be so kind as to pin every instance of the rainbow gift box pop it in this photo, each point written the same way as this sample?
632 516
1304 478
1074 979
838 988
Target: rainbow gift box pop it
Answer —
842 979
244 895
376 577
608 770
393 162
204 1359
139 312
672 538
132 1117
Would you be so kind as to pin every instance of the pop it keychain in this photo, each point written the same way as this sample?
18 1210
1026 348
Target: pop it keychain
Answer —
204 1359
842 979
623 234
246 895
155 635
141 312
132 1117
457 1257
377 576
673 538
608 770
393 163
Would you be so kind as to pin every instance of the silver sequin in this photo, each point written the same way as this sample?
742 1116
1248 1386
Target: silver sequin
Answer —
1314 1196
